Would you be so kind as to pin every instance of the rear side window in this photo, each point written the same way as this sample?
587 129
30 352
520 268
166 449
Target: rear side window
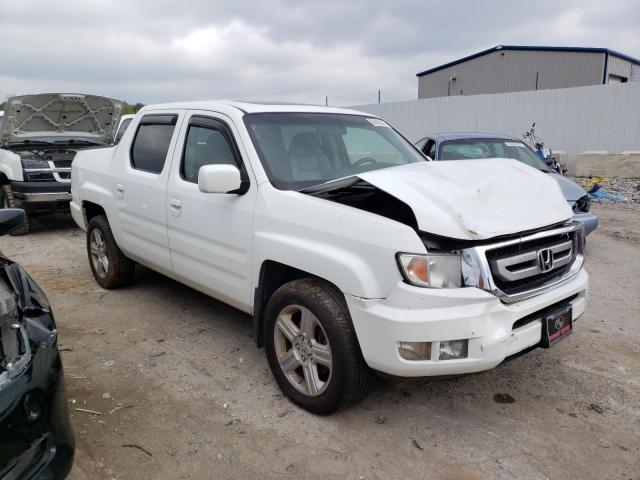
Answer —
151 143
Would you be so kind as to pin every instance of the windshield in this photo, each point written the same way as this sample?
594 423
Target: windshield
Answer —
299 150
472 148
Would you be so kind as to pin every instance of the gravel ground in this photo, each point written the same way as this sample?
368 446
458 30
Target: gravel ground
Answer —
184 394
627 188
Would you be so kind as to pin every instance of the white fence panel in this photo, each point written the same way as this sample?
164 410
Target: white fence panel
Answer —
574 120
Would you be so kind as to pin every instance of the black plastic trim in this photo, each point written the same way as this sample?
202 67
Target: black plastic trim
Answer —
437 243
11 219
40 187
159 119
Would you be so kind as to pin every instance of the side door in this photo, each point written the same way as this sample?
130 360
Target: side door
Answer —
140 180
210 235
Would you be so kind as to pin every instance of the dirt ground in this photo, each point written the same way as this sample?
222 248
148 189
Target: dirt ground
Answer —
183 393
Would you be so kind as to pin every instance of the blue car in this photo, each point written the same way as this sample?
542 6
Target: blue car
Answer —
474 145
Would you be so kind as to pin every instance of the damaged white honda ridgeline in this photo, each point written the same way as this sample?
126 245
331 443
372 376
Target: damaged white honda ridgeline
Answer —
351 250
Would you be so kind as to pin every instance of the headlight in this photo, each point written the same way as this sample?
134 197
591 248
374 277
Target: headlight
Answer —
29 163
584 203
433 270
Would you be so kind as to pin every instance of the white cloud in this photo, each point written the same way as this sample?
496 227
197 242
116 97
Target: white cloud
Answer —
302 50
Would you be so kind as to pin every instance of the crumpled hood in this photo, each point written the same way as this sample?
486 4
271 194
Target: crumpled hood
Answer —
60 116
474 200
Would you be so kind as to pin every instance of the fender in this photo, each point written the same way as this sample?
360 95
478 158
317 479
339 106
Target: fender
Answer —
11 165
353 249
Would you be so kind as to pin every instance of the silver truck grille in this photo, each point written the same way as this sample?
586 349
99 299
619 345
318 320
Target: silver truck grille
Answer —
62 163
530 265
532 262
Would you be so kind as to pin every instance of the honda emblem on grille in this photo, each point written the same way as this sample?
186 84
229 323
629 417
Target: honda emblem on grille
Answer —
545 260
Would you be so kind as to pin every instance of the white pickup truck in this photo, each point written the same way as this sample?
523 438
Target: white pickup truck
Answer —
351 250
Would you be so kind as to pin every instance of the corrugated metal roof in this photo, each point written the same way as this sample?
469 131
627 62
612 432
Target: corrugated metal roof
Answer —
530 48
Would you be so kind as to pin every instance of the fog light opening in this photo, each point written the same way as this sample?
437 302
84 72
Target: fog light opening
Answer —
454 349
415 351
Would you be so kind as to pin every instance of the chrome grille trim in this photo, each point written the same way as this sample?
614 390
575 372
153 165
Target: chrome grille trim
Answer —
476 269
506 268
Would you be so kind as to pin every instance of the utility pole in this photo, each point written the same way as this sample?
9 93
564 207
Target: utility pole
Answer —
378 96
326 101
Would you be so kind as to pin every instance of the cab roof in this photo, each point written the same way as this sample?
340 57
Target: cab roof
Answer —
252 107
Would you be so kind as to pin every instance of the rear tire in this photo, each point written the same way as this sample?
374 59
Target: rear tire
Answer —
312 348
110 267
9 201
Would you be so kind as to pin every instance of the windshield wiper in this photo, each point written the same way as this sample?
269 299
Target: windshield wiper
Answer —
74 141
349 185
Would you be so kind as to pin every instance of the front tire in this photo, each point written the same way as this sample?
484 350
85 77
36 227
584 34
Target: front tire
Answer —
110 267
312 348
9 201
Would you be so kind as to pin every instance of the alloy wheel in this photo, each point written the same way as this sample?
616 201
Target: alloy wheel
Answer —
303 350
98 251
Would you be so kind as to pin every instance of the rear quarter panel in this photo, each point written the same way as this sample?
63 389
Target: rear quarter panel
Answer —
91 181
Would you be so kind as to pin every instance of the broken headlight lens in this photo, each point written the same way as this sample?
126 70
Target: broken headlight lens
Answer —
584 203
433 270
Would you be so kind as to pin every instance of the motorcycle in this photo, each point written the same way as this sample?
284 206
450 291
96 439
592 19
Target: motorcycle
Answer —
537 144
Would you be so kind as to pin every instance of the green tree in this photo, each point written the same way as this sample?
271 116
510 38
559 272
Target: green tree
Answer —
128 108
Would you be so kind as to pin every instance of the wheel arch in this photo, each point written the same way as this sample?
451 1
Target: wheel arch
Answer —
91 210
272 276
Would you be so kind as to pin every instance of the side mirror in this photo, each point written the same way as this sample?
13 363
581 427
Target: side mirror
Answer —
11 219
219 179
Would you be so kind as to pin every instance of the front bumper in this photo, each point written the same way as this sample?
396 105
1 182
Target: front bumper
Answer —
40 447
41 192
588 220
414 314
78 214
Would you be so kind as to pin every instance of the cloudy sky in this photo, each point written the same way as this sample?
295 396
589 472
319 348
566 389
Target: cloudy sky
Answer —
296 50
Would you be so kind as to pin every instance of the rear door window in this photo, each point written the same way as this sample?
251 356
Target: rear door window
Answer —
151 143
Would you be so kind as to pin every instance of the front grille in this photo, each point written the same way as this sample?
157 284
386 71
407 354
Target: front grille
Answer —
530 264
62 163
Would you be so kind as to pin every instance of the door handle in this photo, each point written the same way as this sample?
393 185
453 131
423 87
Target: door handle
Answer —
176 206
119 190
